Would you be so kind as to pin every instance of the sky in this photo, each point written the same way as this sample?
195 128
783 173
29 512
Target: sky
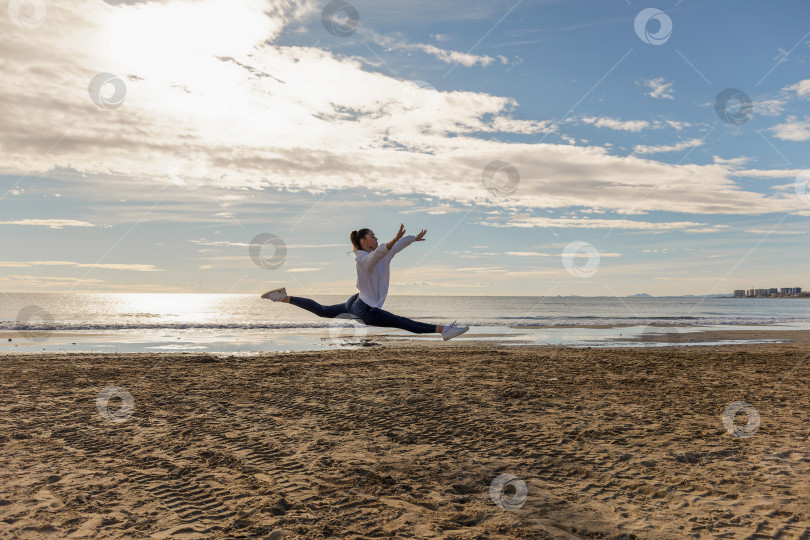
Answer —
590 148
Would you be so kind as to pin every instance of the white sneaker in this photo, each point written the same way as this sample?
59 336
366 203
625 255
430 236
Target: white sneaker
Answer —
276 295
451 331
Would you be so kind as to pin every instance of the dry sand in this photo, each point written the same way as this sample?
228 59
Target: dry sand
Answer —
405 441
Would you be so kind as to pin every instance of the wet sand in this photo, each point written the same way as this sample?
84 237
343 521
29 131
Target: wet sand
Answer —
688 335
405 441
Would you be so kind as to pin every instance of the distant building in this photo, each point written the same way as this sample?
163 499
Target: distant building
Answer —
791 290
770 293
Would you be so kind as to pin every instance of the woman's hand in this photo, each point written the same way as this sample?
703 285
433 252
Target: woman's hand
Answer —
401 232
399 235
421 236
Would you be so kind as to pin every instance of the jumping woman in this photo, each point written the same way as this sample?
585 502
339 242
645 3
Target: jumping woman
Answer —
373 273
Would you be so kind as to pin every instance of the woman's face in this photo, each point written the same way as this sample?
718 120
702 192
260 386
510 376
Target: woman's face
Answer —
369 240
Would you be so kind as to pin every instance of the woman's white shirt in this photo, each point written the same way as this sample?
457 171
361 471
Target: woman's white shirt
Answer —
374 273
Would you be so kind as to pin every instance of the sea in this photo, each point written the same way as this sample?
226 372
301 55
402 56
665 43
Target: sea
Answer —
239 323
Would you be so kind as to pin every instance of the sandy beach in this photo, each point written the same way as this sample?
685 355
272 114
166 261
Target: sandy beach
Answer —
409 442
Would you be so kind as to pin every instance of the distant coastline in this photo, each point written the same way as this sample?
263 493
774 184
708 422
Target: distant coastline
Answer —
784 292
800 294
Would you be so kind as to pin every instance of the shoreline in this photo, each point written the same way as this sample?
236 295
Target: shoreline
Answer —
321 339
406 441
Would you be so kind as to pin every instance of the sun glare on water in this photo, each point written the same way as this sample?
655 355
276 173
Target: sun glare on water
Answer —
165 307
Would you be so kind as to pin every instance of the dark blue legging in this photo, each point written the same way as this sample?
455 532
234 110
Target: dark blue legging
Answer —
369 315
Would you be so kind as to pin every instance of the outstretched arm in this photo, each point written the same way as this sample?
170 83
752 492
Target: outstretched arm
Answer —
401 244
406 241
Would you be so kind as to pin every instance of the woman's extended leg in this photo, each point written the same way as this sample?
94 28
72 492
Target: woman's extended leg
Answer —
380 317
316 308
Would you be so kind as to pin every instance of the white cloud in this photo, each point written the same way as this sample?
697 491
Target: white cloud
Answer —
769 107
105 266
224 243
228 243
253 116
766 231
782 56
580 255
587 223
48 283
467 254
481 269
437 210
659 88
451 57
710 229
527 254
732 162
512 125
677 147
678 125
802 88
51 223
447 56
774 173
792 130
774 104
614 123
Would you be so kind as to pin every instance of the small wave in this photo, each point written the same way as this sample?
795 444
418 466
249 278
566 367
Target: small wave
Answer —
593 317
549 322
673 321
12 325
